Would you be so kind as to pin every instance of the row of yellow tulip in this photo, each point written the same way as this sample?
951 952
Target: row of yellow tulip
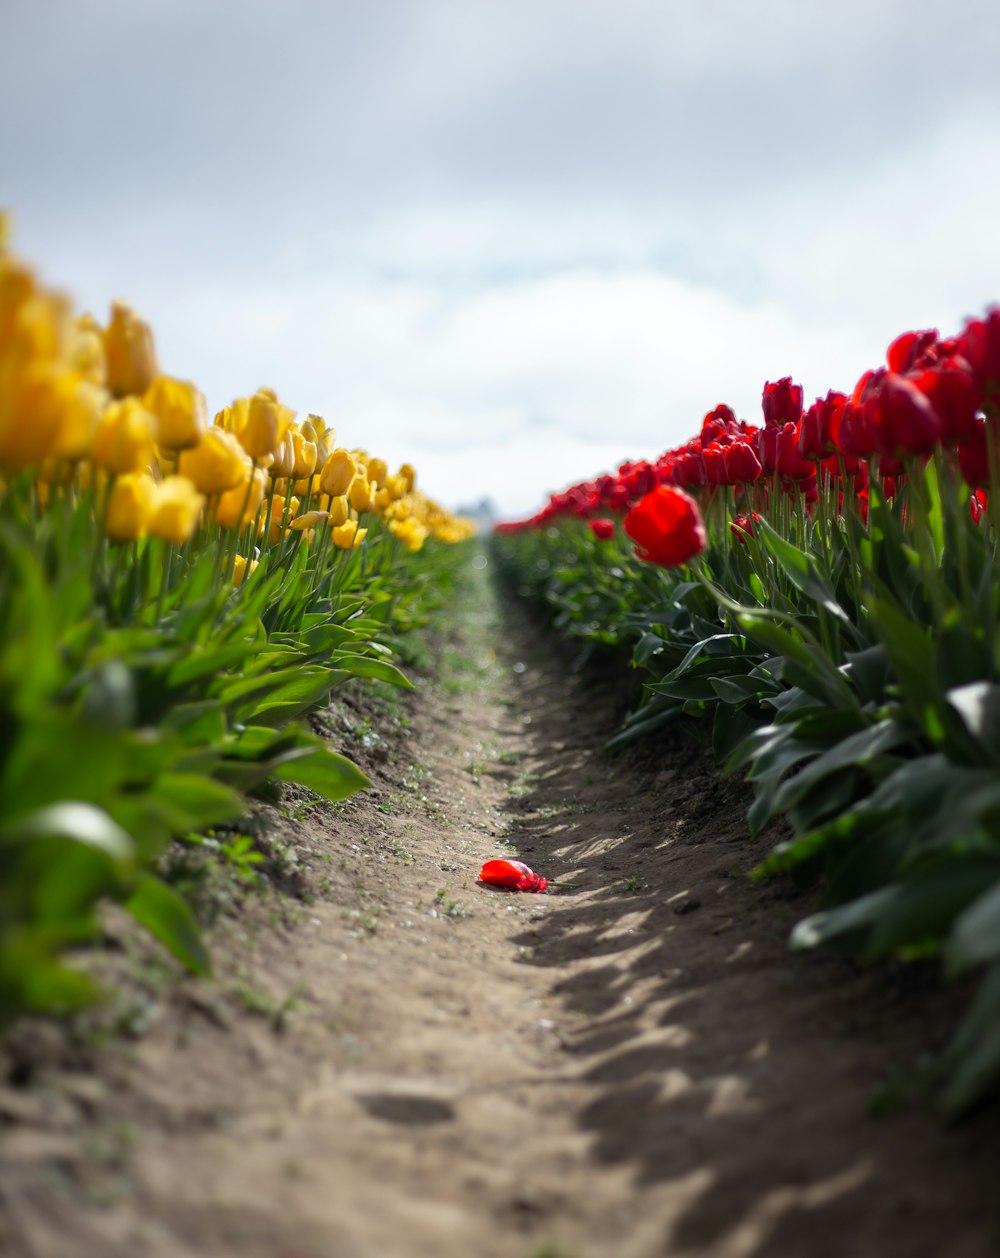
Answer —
84 404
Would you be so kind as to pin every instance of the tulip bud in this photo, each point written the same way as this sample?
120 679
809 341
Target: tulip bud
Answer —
338 510
180 412
305 456
361 495
346 536
129 352
307 520
124 441
338 472
242 569
176 509
239 506
86 350
377 472
217 463
129 506
284 458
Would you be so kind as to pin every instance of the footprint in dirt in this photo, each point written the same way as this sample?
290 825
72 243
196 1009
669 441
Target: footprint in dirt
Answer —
409 1111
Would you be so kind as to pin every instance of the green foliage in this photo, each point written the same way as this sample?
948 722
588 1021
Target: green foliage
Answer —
142 698
850 667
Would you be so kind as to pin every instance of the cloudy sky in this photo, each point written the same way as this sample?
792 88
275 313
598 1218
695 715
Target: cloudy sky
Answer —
513 241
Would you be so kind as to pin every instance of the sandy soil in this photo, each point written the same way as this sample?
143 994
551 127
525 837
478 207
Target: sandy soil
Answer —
398 1062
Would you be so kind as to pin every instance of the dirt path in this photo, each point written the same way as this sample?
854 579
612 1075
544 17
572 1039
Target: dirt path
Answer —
410 1065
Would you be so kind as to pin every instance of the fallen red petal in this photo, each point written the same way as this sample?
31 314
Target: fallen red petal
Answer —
514 875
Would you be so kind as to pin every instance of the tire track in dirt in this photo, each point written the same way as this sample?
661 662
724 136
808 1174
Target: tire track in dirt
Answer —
633 1066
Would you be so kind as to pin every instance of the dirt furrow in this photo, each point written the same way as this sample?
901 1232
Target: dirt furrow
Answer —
408 1064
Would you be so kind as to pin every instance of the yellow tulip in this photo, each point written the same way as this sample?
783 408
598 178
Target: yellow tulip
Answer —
305 455
129 352
338 510
338 472
284 458
180 412
278 504
242 569
80 422
261 423
239 506
410 532
86 350
408 475
348 535
377 472
129 506
361 495
176 509
308 520
124 441
34 412
217 463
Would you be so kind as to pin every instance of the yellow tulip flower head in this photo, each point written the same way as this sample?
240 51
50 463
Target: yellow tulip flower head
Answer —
181 419
242 569
124 441
176 510
338 511
129 506
347 535
217 463
86 350
377 472
305 455
338 472
361 494
261 423
239 506
129 352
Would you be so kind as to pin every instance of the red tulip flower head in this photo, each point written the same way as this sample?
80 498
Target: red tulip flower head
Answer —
512 876
667 527
603 530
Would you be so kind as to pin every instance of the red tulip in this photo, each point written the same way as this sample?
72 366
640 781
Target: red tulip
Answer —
978 503
910 350
979 345
667 527
603 530
742 526
716 468
512 876
782 401
789 463
815 426
742 465
901 418
953 392
973 457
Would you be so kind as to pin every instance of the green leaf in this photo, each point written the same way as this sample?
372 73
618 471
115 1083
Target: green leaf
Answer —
365 666
199 799
975 937
164 914
801 571
82 823
847 925
325 772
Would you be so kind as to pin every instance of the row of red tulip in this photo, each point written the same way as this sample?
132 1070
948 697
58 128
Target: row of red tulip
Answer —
933 392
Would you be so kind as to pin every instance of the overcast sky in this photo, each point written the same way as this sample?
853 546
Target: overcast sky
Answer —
517 241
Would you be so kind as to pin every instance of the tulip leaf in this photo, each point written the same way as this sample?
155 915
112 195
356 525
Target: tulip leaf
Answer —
164 914
326 772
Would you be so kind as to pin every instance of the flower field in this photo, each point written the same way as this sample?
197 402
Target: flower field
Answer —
820 593
175 598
